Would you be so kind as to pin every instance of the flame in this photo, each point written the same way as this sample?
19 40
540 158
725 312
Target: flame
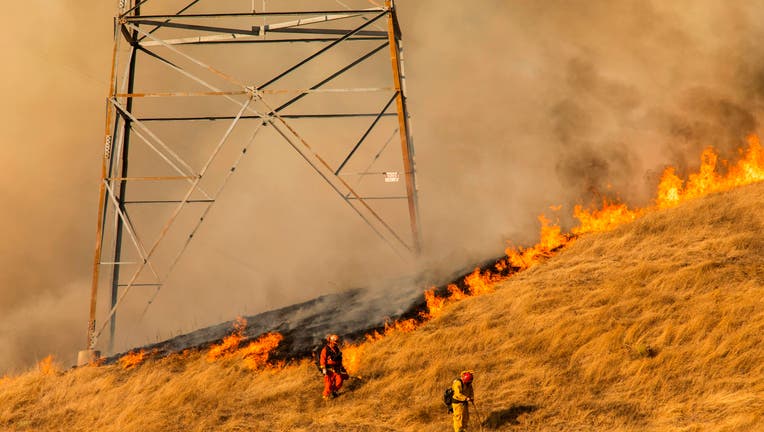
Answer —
132 359
608 217
228 346
455 293
48 366
256 354
551 240
351 356
404 326
230 343
749 169
671 191
480 283
351 353
434 303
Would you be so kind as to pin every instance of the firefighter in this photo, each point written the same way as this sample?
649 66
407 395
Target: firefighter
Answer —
463 395
331 366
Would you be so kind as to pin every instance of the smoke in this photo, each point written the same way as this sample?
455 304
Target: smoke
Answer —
50 118
516 106
561 102
34 330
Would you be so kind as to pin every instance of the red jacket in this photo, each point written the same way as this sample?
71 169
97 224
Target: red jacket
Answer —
331 357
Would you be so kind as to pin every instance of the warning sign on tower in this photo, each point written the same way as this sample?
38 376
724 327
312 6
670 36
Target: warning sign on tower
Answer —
392 176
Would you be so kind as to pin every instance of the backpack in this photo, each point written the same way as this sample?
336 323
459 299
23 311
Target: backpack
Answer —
448 398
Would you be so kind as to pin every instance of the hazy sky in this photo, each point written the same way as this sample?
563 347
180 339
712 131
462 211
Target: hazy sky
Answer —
516 106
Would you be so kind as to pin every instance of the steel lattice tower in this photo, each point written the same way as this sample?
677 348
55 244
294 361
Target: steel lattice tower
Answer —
195 83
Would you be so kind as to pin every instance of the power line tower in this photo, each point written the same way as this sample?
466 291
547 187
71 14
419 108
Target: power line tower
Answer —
194 85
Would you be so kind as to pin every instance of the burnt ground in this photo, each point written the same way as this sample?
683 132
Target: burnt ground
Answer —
350 314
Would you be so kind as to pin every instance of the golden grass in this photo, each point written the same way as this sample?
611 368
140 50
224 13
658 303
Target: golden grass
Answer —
655 326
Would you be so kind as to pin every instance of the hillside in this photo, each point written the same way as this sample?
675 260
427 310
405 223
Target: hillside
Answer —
656 325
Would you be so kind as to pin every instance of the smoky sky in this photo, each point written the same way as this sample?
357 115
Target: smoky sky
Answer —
516 107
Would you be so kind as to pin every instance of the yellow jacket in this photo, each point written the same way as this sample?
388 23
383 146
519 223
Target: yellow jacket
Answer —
462 391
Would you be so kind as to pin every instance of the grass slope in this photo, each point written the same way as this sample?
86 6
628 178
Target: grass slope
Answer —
656 326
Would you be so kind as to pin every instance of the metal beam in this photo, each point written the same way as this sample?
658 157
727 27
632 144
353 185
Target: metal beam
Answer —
185 8
256 14
105 162
257 117
159 178
321 51
379 198
407 149
285 27
122 193
363 137
314 89
330 78
168 201
233 39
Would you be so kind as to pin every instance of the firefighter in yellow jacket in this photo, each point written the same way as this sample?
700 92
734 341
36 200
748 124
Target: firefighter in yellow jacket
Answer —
463 395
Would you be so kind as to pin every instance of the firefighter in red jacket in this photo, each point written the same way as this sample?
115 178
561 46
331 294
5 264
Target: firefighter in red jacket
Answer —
331 366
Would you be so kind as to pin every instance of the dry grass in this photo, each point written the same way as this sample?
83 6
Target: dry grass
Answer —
656 326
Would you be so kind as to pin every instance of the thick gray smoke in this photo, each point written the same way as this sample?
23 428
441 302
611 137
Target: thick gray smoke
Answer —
541 103
516 106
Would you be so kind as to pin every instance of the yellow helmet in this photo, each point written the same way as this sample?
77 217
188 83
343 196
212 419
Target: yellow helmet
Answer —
333 338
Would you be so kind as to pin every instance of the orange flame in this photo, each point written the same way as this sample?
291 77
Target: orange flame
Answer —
351 353
351 357
132 359
404 326
608 217
551 239
256 354
230 343
480 283
434 303
48 366
455 293
671 191
749 169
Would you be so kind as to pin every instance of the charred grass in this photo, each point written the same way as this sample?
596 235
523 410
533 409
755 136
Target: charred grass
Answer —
655 326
